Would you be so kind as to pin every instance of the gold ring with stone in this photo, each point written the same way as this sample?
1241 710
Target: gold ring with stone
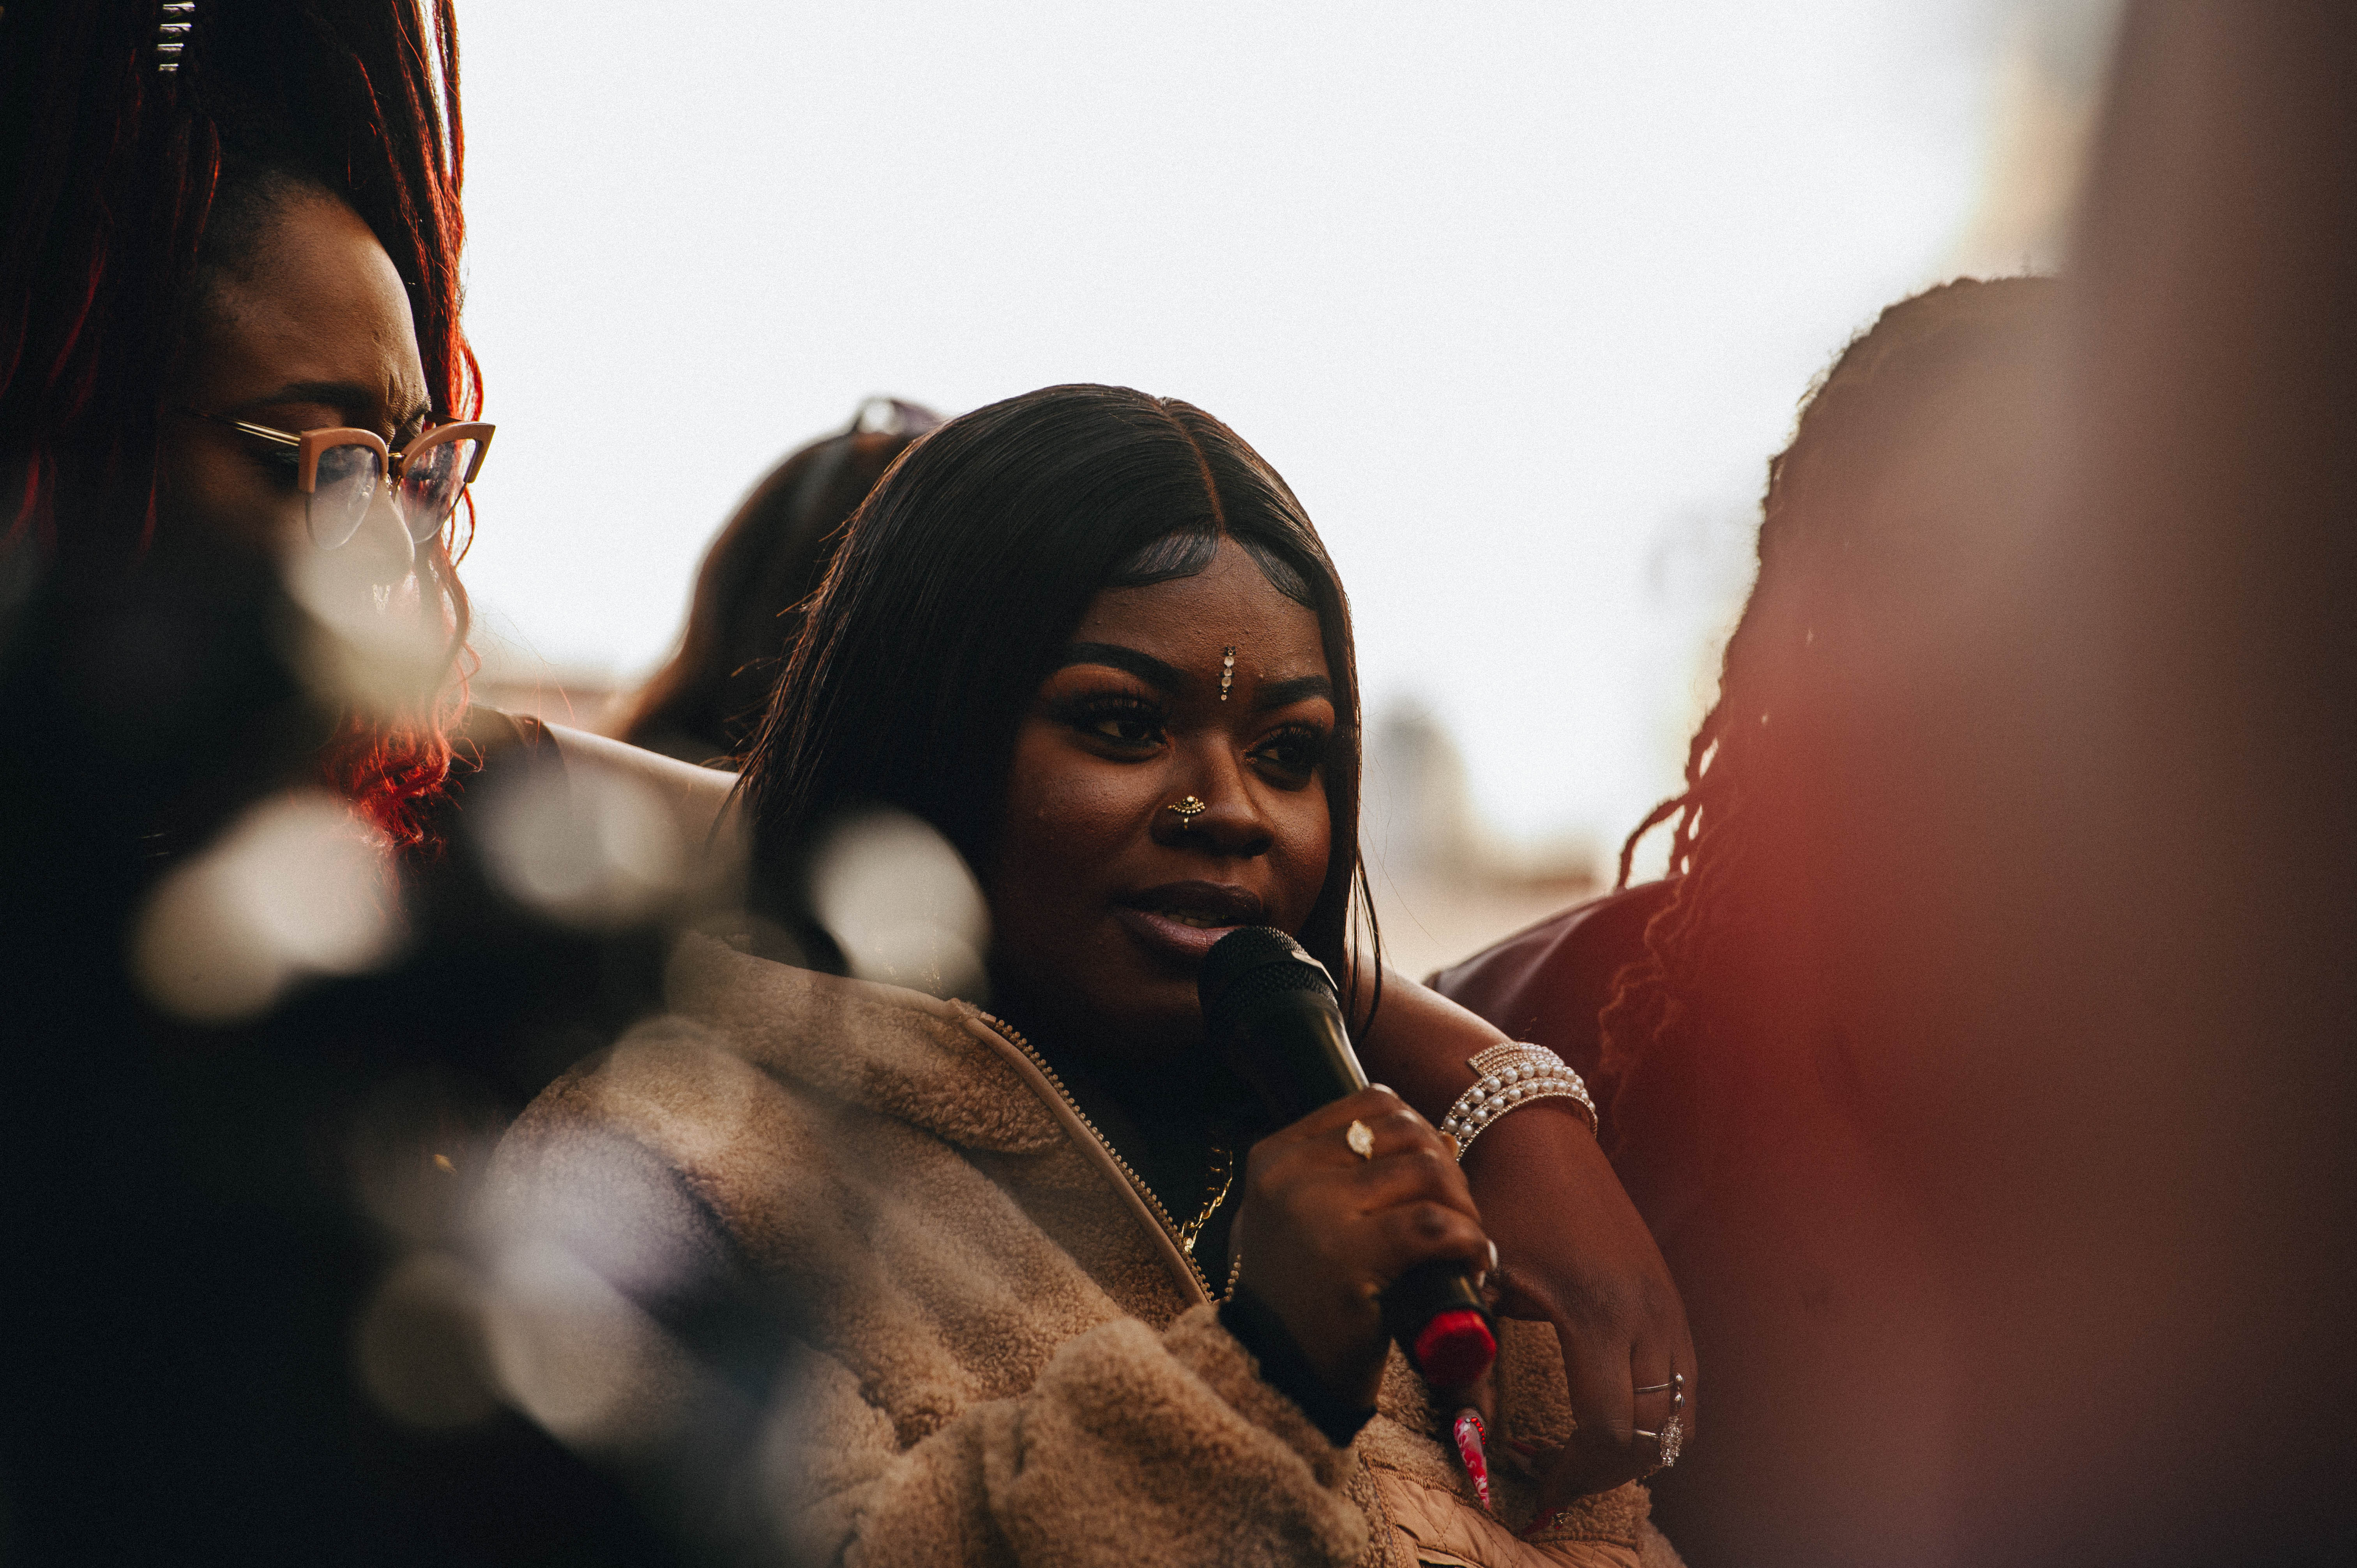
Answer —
1362 1141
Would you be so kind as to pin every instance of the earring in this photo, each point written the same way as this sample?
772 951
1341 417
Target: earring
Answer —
1188 807
1227 669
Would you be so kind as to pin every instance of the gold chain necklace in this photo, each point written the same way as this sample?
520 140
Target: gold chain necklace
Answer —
1223 1179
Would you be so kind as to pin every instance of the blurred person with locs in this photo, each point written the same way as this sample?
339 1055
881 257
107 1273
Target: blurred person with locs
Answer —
237 420
767 561
1044 1284
1713 1006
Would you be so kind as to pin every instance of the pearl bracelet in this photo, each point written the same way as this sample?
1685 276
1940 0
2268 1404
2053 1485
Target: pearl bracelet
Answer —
1511 1075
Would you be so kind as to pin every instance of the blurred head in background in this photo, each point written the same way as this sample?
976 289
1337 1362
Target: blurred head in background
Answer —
1743 1046
704 705
222 232
961 589
1870 549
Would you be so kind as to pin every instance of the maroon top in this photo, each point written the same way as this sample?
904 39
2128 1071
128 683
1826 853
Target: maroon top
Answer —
1548 982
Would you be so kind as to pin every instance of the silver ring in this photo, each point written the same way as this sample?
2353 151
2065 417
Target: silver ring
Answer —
1675 1388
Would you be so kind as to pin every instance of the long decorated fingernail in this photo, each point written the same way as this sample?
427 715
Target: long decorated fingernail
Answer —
1470 1433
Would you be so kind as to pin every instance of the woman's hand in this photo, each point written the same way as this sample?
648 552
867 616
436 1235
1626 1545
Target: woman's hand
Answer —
1324 1232
1571 1248
1572 1252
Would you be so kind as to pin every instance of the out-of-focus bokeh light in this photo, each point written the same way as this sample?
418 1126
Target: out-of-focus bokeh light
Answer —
415 1151
573 1352
299 886
419 1347
901 904
564 1260
368 645
589 846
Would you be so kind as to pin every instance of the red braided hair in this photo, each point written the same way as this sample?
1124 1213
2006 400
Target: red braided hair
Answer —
109 172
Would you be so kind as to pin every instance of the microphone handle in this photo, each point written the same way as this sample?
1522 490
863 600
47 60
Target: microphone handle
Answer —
1299 1058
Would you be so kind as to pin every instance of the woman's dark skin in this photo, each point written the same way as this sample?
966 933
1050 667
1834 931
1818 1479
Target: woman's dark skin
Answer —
1103 901
313 330
1541 1179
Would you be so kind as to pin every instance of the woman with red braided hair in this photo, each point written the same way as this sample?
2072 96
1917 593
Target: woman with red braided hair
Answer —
191 201
237 422
1712 1005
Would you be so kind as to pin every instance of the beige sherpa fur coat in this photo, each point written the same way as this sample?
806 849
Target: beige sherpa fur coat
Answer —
996 1351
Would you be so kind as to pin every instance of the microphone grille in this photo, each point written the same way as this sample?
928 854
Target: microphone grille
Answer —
1249 964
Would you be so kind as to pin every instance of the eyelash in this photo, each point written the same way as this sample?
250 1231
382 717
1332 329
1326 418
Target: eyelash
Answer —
1304 740
1089 714
1305 743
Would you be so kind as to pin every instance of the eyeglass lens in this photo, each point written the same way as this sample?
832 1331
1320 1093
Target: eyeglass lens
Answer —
344 486
430 484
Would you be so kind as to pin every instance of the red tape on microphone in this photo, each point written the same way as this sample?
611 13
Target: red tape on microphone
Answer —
1455 1349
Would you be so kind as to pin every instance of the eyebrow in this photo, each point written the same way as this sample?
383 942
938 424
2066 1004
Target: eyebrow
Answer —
1284 694
1165 677
1145 666
345 395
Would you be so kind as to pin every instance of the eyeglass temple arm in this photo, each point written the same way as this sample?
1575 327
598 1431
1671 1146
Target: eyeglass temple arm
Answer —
266 433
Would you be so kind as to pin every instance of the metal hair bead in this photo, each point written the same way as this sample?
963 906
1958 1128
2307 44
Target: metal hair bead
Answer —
178 20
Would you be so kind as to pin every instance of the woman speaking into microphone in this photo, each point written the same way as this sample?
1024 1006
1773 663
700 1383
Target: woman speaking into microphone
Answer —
1045 1282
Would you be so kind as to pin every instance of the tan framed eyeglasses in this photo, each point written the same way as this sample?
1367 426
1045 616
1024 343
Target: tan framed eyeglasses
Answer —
339 470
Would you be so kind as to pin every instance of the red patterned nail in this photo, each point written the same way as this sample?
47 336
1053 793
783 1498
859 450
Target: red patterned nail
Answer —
1470 1434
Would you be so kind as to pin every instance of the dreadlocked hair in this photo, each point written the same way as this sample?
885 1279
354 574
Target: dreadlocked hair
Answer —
1822 529
122 185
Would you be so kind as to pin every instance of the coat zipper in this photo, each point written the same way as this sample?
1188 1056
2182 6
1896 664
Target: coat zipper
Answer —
1153 1204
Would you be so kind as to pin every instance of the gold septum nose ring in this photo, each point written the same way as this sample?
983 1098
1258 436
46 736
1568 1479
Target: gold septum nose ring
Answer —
1188 807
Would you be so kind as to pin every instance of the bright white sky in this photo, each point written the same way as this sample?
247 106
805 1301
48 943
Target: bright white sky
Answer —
1519 297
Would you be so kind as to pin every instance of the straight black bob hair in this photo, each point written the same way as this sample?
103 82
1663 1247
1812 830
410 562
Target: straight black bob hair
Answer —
959 583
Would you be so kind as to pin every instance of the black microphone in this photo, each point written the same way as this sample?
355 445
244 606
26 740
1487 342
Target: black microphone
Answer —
1273 1013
